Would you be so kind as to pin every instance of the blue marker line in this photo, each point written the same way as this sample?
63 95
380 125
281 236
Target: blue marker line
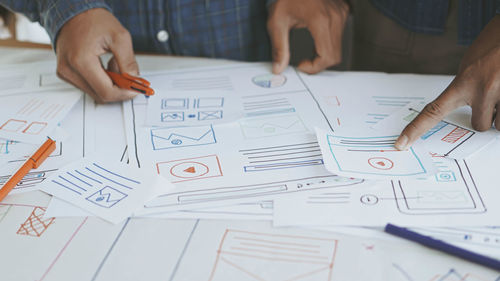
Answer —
96 173
72 183
82 174
77 178
67 187
120 176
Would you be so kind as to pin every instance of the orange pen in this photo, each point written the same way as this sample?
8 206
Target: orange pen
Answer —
130 82
32 163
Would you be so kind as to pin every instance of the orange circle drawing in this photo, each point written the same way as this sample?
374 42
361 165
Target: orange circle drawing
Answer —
381 163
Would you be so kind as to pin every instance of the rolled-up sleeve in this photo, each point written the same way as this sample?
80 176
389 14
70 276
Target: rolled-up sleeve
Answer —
52 14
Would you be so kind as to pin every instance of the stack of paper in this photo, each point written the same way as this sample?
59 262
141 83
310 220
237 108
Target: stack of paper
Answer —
245 153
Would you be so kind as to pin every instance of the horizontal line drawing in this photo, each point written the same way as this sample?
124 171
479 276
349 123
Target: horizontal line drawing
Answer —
72 183
107 178
67 187
115 174
282 165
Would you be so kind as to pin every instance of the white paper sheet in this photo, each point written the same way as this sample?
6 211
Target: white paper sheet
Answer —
460 194
78 128
31 116
192 108
108 189
453 137
372 156
221 250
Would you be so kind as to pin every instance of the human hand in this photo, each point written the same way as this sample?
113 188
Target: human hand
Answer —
477 84
325 19
81 42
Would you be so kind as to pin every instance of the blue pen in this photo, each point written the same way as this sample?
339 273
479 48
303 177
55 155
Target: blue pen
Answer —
442 246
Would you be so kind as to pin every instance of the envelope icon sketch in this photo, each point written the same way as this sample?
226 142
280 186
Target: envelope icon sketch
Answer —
166 138
172 116
106 197
249 255
210 115
272 126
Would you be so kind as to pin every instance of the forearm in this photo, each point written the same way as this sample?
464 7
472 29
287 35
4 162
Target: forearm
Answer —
52 14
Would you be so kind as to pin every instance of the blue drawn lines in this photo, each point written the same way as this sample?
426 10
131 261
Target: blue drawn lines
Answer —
176 137
183 110
175 103
83 175
373 156
282 157
177 116
435 129
210 115
106 197
216 102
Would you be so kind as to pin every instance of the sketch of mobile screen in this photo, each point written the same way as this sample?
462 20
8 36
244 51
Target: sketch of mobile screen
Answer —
451 191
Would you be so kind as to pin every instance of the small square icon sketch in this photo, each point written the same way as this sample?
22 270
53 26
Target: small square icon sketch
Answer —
174 116
107 197
175 103
446 176
210 115
217 102
35 128
13 125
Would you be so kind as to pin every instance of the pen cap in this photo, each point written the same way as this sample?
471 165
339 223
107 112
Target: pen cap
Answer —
43 152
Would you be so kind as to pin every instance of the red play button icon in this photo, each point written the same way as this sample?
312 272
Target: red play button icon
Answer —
191 170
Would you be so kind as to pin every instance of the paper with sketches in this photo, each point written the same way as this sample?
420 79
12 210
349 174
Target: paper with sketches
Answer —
457 195
32 116
372 157
452 137
192 108
271 151
112 191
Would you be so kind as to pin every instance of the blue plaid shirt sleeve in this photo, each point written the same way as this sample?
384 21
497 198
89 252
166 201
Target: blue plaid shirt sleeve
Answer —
52 14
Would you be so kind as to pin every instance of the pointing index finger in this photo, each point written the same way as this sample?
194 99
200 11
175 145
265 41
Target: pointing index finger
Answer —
429 117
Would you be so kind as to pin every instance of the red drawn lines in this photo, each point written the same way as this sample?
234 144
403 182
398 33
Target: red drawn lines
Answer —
291 257
13 125
455 135
35 225
51 111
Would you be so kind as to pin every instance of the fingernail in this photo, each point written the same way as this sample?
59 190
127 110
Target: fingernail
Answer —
402 143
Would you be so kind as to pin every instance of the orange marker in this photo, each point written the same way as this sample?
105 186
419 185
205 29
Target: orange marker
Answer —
32 163
130 82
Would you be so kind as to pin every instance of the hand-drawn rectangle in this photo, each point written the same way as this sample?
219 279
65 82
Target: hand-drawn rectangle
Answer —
13 125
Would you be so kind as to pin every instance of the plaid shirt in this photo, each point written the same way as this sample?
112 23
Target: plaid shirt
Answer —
235 29
232 29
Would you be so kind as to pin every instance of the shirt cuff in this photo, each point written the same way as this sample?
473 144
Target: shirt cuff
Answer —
55 16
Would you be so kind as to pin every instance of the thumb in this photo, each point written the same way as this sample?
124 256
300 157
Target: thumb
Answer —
279 32
123 52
